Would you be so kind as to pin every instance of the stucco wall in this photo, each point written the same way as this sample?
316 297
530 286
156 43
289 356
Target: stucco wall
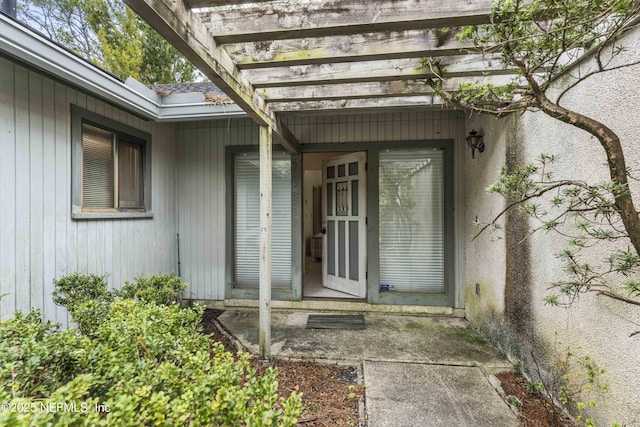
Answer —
485 253
595 325
38 239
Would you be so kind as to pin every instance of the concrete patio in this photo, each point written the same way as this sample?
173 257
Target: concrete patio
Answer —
418 370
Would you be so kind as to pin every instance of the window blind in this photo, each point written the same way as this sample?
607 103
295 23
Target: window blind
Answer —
130 175
247 220
412 220
97 168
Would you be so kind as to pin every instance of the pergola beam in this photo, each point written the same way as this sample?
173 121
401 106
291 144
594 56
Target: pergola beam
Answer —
403 88
345 91
216 3
373 71
288 20
183 30
359 105
355 47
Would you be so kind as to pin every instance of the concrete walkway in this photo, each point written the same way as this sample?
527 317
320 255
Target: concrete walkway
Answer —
418 371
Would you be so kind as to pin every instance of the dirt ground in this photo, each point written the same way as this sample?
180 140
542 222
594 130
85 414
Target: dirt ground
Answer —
331 393
535 410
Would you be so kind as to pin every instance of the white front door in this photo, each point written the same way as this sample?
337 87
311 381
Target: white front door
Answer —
344 215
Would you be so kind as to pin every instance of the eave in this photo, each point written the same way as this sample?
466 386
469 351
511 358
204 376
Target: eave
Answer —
38 52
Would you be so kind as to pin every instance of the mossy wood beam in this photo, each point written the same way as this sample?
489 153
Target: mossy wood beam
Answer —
355 47
359 105
216 3
289 20
182 29
368 89
373 71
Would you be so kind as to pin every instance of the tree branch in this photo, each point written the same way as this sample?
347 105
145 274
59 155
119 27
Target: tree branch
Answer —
521 201
509 107
591 74
617 296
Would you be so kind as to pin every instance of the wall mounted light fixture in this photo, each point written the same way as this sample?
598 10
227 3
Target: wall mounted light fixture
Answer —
475 142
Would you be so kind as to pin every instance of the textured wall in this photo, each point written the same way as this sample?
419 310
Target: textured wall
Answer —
595 326
38 239
485 253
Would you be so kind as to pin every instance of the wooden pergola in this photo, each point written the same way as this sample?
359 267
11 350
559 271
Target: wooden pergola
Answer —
274 58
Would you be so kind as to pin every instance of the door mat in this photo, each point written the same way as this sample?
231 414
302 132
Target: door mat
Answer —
335 321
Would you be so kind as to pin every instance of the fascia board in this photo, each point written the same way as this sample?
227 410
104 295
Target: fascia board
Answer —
202 111
36 50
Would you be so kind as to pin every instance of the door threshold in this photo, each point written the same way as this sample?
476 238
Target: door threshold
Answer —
345 306
314 292
336 299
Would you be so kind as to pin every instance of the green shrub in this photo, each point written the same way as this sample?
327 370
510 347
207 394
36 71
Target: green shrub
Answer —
89 301
145 364
75 288
78 410
90 313
36 357
86 297
162 289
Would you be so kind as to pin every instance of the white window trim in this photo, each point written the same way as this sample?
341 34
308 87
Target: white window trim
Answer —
79 116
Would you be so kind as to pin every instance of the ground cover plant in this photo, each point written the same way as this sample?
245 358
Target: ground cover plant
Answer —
140 359
571 385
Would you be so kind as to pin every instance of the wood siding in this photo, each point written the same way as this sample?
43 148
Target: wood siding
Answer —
38 239
201 185
201 201
407 126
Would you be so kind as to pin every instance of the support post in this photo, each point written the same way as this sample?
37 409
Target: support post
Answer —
265 243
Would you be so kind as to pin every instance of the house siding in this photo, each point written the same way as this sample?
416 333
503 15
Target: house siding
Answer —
379 127
201 201
201 178
38 239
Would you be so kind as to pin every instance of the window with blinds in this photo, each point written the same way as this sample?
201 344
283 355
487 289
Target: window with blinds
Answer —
112 171
412 220
247 220
98 160
130 175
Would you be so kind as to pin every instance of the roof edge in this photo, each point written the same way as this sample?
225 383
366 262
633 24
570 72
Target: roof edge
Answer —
38 51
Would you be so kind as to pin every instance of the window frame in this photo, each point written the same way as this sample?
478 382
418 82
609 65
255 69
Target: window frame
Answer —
374 296
386 231
232 290
447 297
80 117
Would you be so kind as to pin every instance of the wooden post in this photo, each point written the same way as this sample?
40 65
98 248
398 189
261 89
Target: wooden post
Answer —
265 244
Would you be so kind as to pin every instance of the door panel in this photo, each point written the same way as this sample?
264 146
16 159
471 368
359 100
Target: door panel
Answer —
344 222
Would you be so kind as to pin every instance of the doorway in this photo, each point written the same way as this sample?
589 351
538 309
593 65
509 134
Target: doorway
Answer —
334 225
